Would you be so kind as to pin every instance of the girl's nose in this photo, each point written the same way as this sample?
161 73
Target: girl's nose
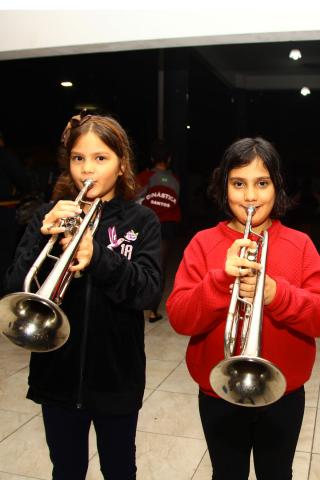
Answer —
250 194
87 167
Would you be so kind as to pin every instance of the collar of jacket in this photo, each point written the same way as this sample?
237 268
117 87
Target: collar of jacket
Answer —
117 205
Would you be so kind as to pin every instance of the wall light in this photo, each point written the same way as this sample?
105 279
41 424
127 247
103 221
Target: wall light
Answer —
305 91
295 54
66 84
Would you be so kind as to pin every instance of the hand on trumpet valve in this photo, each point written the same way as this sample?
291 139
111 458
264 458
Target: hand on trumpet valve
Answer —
84 251
53 220
238 266
248 287
270 290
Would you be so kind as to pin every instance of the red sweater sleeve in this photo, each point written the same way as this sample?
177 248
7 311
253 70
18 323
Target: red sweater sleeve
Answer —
299 307
199 294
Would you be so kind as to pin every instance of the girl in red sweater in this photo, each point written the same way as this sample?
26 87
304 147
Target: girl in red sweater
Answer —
249 174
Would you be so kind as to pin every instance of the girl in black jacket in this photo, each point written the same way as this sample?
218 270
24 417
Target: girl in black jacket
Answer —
98 375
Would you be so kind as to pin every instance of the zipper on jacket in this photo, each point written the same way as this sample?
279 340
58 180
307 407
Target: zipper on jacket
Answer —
83 352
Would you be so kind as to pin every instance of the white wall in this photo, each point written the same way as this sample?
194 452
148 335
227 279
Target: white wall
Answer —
39 32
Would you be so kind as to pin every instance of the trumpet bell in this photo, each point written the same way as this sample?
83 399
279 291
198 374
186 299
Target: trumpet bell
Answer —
33 322
248 381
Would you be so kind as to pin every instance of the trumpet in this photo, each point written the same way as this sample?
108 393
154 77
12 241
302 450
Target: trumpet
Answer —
247 379
34 321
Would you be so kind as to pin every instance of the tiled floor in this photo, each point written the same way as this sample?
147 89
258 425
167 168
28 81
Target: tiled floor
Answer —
170 442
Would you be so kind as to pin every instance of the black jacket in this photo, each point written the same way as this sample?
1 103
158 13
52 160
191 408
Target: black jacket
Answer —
102 365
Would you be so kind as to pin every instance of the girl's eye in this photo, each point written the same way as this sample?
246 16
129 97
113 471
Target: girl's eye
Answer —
101 158
76 158
237 184
263 183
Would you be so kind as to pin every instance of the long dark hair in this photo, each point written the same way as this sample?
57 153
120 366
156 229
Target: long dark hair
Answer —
241 153
113 135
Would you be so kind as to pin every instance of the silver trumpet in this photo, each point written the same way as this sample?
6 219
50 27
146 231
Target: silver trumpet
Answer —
247 379
34 321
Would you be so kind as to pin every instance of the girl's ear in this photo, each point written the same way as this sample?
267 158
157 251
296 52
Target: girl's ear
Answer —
122 168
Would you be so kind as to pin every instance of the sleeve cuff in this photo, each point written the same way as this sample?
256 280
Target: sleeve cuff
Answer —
279 298
222 280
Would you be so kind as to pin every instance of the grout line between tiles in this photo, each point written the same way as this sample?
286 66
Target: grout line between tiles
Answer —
164 379
20 426
172 436
23 476
313 435
199 464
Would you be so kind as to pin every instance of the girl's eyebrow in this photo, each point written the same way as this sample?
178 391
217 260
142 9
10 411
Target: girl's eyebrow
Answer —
74 152
265 177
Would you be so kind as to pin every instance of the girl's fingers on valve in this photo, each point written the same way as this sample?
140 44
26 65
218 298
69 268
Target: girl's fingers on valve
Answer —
253 245
246 295
65 208
51 229
76 268
83 262
246 289
66 212
244 264
247 286
67 204
250 265
238 244
64 242
242 271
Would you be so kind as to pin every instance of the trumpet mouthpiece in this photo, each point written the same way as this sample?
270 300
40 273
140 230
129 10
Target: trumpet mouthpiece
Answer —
251 209
88 182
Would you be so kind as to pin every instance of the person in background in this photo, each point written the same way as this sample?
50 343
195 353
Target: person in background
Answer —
159 191
249 175
98 375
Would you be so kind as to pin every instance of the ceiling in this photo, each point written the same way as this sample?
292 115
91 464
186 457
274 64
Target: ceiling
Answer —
264 66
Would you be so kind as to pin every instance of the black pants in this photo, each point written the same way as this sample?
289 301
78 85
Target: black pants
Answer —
67 433
271 433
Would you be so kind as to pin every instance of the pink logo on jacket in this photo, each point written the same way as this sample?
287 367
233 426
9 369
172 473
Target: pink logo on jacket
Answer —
116 242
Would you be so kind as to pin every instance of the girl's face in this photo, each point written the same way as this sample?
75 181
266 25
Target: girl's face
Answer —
91 158
251 185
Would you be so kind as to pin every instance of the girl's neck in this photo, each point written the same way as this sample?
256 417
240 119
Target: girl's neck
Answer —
239 227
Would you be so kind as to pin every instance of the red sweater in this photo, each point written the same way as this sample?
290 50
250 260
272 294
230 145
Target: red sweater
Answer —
200 299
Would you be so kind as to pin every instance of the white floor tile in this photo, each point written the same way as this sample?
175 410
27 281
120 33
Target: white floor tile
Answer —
204 470
307 429
163 344
161 457
315 467
13 391
180 381
11 422
173 414
158 371
25 452
10 476
316 439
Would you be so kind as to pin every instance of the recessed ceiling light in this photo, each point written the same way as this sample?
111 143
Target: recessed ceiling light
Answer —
305 91
66 84
295 54
86 106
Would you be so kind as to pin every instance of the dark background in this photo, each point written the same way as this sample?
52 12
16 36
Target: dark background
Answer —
35 109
